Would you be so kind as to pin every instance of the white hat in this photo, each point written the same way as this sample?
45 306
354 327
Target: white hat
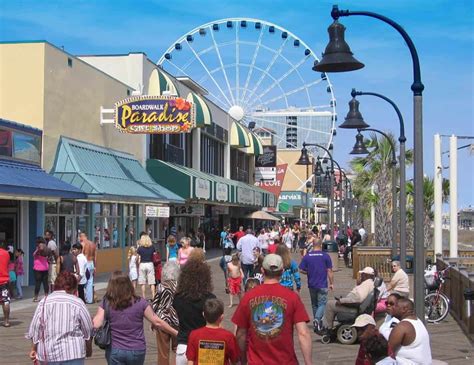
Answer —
273 263
364 320
367 270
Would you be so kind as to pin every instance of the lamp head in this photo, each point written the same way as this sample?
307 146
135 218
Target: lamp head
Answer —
304 158
318 170
359 147
354 119
338 56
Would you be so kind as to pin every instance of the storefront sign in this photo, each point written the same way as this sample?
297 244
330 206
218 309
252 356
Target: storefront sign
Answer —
271 200
258 198
245 196
154 115
265 174
274 187
222 192
268 158
202 188
194 210
293 198
220 210
157 212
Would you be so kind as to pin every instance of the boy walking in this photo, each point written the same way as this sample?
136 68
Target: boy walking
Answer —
212 344
81 275
234 278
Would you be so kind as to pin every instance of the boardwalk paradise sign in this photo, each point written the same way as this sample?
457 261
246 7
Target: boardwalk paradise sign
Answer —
154 115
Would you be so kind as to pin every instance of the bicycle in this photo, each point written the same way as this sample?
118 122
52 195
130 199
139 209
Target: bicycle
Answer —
436 302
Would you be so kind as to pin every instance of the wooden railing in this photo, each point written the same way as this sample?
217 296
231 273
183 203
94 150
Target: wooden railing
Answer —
458 281
379 258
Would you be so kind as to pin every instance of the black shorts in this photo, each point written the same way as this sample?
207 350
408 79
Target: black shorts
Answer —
4 294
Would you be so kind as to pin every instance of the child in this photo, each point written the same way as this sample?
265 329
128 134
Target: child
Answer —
81 275
132 266
257 269
12 275
212 344
20 271
234 278
223 264
157 265
171 249
251 283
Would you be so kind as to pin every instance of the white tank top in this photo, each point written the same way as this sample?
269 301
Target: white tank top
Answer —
419 351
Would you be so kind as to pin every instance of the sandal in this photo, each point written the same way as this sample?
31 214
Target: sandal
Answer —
6 325
36 300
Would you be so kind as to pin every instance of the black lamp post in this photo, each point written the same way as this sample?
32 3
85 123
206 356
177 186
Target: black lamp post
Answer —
338 58
402 139
359 149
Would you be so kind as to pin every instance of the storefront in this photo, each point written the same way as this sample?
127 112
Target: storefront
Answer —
295 206
113 213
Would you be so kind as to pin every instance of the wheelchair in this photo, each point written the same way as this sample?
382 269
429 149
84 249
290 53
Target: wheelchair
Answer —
343 331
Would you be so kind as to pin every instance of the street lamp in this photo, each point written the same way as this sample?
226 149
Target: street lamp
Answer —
402 140
359 149
339 59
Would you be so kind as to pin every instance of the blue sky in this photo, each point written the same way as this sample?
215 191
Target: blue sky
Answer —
442 31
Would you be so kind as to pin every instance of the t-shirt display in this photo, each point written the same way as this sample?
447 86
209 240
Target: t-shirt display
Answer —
269 312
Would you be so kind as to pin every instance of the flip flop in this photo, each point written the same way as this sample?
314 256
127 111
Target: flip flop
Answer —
6 325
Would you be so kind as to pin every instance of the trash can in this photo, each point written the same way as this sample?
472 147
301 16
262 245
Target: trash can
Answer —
332 249
408 263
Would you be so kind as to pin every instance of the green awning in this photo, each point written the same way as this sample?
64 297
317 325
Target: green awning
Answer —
161 84
106 174
239 136
203 114
196 185
256 147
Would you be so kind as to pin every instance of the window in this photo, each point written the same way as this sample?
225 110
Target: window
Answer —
69 61
129 213
106 218
240 165
6 143
27 147
212 156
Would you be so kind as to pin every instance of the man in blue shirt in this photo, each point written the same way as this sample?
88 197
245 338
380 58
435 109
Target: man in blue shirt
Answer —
318 266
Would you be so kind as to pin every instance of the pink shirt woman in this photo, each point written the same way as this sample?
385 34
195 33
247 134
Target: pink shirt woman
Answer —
184 251
40 260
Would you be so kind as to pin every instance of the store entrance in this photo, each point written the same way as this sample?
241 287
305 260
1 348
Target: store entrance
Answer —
9 213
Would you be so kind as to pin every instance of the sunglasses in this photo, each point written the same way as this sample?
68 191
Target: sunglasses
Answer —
387 303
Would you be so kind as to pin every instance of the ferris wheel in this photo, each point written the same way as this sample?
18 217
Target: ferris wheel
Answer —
258 72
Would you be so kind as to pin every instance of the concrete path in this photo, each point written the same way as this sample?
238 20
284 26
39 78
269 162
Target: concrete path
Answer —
448 343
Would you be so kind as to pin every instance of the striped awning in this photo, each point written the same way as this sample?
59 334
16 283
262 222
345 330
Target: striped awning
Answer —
239 136
161 84
203 114
256 147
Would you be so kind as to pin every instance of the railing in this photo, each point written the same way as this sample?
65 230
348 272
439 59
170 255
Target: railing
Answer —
379 258
174 154
458 281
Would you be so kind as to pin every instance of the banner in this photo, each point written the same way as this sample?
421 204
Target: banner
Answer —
274 187
154 115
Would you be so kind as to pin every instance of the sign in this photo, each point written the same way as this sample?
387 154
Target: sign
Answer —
202 188
274 187
293 198
220 210
154 115
222 192
258 198
264 174
188 210
267 158
157 212
245 195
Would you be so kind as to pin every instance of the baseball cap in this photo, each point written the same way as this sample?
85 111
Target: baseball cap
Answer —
367 270
363 320
273 263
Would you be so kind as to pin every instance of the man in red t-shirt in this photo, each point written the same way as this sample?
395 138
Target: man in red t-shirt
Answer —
238 235
267 315
4 280
212 344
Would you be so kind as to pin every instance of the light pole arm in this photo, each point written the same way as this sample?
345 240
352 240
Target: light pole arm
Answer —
417 86
325 149
392 146
402 137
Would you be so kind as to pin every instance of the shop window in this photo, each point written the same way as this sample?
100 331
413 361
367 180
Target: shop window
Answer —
27 147
130 224
66 208
81 208
67 220
107 222
51 208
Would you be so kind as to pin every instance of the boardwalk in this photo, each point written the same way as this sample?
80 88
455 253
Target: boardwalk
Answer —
447 341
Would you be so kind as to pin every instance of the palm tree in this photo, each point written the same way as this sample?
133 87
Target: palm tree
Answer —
428 202
375 169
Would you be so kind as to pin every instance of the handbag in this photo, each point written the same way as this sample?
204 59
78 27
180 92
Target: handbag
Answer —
102 337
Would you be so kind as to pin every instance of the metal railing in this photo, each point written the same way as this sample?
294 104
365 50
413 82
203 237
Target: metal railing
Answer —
174 154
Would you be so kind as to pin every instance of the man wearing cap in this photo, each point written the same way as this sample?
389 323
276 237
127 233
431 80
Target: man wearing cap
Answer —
366 328
267 316
355 296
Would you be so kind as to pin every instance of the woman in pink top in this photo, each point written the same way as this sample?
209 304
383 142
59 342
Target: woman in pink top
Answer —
20 271
40 267
184 251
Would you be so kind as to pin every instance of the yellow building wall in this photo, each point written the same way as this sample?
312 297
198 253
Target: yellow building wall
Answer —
22 83
296 175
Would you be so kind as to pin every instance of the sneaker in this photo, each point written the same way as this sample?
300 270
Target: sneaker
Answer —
316 325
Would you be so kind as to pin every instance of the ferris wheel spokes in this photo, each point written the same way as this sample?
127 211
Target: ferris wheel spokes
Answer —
254 58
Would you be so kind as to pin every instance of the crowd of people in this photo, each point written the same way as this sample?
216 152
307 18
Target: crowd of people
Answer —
260 273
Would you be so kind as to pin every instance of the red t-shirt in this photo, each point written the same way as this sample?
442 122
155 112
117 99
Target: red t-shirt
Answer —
212 346
4 260
269 312
238 235
272 248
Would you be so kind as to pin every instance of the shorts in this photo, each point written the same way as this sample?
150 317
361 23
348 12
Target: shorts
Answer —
52 274
4 294
146 273
235 285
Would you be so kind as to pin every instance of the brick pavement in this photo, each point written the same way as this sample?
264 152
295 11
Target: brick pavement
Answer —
447 340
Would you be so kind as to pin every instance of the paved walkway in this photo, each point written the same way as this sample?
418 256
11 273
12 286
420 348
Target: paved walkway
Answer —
448 343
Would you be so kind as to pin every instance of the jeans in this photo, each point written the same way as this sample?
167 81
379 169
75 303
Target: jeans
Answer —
319 298
80 292
41 277
125 357
19 283
248 270
67 362
89 288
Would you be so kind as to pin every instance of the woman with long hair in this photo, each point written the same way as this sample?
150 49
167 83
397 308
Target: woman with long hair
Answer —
125 313
40 267
61 328
291 275
194 287
163 307
146 269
